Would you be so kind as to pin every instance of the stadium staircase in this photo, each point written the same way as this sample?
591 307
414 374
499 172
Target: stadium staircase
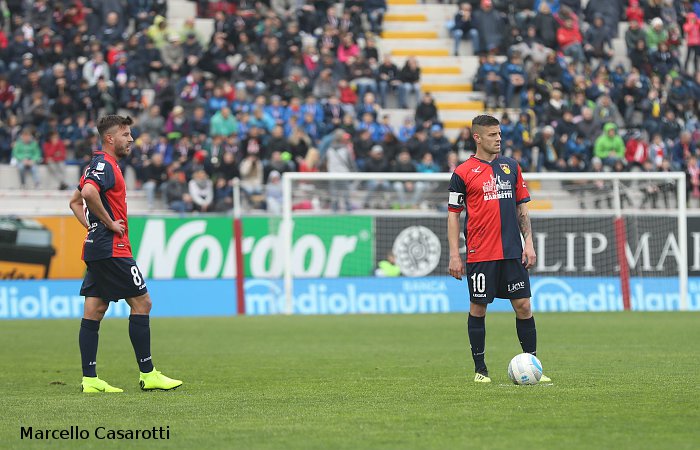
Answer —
412 28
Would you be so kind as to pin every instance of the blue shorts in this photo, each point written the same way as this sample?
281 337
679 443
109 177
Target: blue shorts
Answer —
506 278
113 279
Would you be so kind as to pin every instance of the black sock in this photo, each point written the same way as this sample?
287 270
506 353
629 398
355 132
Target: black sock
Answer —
140 334
527 334
477 340
87 340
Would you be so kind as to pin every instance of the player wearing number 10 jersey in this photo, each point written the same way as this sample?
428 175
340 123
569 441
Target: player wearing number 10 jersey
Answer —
99 204
492 190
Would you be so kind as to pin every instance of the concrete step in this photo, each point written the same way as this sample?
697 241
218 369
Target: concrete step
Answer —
410 34
471 104
417 44
446 87
400 18
391 3
53 201
181 9
424 52
448 79
441 70
442 97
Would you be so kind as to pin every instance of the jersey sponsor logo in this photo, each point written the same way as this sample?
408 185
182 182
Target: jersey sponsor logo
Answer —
505 168
417 250
97 174
516 286
479 295
496 188
476 169
100 166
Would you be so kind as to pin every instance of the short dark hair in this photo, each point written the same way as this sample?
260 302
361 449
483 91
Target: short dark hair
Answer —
107 122
485 120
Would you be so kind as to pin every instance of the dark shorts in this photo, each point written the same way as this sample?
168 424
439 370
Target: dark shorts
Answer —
506 278
113 279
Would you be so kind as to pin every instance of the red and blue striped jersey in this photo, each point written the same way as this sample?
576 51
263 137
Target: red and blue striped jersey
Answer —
490 191
104 173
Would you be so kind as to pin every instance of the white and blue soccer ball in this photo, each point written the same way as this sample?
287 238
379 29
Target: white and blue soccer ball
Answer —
525 369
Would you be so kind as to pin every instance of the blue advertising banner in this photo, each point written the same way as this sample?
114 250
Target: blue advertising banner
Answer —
56 299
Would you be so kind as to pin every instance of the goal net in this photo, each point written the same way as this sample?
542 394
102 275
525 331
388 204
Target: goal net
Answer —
368 242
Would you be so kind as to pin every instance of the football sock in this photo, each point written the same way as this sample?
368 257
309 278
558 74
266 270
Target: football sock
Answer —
527 334
477 339
140 335
87 340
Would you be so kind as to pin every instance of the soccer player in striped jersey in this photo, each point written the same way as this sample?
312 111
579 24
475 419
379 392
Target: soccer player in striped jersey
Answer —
99 204
492 190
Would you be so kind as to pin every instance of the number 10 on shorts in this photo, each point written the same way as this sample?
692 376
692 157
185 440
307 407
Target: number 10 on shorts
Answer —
478 282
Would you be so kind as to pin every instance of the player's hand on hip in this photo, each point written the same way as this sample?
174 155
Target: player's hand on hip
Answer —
529 258
117 227
456 267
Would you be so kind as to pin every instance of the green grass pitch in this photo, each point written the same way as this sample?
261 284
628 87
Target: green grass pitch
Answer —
621 380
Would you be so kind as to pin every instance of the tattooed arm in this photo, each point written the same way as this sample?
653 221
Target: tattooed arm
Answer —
528 257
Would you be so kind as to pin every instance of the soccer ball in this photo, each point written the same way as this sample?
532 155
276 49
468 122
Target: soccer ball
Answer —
525 369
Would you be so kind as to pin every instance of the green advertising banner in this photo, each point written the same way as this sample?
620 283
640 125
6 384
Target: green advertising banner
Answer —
202 247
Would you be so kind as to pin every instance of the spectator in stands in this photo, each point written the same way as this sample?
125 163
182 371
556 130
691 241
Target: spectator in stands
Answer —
546 25
201 190
252 171
691 29
461 25
438 145
387 79
609 11
55 158
487 29
636 149
339 159
596 42
155 174
464 145
375 10
570 41
609 146
426 112
26 155
409 76
223 123
404 164
656 34
376 162
177 196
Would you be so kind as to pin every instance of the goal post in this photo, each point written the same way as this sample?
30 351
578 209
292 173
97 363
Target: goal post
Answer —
621 237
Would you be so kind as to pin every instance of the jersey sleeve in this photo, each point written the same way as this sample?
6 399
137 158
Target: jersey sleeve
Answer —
522 195
458 191
100 174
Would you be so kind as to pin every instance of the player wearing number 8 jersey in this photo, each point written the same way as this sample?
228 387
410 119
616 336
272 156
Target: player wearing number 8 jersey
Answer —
99 204
492 190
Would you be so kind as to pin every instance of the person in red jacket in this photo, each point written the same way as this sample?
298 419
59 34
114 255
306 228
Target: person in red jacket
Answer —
691 29
637 149
55 158
570 40
634 12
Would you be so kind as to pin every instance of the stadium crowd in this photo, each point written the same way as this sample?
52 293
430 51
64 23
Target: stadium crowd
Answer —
301 86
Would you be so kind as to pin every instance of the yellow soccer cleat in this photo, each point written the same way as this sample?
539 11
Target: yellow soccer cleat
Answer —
155 380
545 379
94 384
481 378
